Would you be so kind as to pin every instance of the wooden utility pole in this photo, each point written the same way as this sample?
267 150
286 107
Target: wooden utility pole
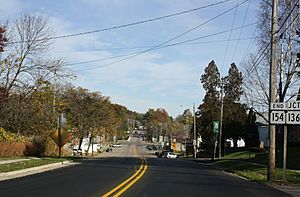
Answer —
272 91
59 134
221 121
195 135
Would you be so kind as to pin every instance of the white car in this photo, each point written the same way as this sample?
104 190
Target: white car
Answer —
171 155
117 145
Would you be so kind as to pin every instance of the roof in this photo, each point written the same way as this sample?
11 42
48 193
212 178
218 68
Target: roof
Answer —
260 120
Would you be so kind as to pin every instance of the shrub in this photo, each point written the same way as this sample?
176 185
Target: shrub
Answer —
6 136
11 145
36 147
11 149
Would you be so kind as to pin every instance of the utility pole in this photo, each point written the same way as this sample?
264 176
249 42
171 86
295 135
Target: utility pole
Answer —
59 133
195 135
221 121
160 135
272 91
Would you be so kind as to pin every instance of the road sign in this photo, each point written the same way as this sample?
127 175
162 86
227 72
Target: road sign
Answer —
63 121
285 113
278 117
65 136
278 106
215 126
293 105
293 117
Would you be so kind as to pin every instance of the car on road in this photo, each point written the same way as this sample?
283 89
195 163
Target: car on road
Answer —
151 147
118 145
162 153
170 155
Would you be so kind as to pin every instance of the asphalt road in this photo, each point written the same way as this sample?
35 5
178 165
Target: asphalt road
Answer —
162 177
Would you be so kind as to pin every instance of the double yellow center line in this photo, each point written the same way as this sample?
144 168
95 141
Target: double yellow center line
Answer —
120 189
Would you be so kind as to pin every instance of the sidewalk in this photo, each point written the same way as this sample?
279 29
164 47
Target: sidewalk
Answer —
16 160
293 190
12 161
34 170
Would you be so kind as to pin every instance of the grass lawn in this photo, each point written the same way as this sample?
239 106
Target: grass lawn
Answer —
253 165
255 172
29 163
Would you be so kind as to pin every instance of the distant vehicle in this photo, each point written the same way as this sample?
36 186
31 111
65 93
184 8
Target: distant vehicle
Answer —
171 155
117 145
151 147
162 153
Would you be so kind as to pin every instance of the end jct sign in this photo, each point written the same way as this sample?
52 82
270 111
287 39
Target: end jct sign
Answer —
285 113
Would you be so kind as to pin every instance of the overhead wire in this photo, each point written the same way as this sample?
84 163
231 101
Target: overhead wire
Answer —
263 54
232 24
128 24
240 34
148 46
167 41
185 42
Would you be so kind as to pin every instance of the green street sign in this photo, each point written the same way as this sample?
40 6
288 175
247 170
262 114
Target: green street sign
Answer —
215 126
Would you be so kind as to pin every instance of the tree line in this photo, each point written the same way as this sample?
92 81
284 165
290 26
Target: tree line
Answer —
238 119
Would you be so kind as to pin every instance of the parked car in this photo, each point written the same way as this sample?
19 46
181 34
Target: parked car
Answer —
171 155
151 147
118 145
162 153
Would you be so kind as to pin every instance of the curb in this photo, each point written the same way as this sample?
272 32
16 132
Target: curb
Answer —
34 170
293 190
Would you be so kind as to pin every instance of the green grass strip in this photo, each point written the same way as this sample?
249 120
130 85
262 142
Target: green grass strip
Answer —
255 172
29 164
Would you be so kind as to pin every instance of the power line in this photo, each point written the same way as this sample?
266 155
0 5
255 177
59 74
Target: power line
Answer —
186 42
165 42
250 45
257 61
244 20
232 24
148 46
128 24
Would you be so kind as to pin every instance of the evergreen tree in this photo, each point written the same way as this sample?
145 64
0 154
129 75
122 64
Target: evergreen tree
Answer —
234 112
209 110
233 84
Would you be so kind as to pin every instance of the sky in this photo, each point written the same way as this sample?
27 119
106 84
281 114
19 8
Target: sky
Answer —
134 73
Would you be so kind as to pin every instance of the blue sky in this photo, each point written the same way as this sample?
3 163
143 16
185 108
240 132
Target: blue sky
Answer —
164 78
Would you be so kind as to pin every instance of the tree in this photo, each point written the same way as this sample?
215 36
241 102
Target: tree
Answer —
234 112
233 84
24 63
87 111
252 136
256 83
157 122
183 124
209 110
120 118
